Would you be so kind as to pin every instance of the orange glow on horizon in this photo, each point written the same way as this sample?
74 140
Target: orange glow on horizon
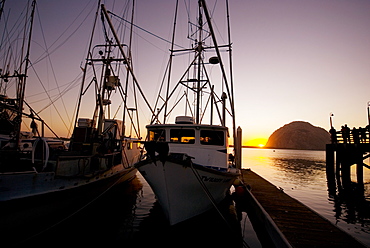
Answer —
257 142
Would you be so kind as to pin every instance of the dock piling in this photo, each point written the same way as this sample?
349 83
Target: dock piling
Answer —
330 167
350 148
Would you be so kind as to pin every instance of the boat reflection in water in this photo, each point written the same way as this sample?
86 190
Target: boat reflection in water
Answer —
302 175
127 214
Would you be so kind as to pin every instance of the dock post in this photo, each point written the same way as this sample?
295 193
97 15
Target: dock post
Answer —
346 168
238 148
338 161
330 172
359 169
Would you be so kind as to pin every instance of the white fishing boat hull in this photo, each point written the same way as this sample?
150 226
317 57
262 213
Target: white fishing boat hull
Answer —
183 190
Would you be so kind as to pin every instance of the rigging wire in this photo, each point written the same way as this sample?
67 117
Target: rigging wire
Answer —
56 109
51 65
12 56
170 62
68 85
51 51
142 29
55 97
71 85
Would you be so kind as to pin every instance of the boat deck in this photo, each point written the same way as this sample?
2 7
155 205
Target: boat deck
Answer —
300 226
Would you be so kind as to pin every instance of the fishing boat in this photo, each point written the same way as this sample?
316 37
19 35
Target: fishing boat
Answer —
188 164
98 153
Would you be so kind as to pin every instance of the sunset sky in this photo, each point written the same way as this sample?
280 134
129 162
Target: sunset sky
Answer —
293 60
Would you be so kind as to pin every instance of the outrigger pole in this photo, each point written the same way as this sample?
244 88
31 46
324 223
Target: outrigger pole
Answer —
127 78
85 68
105 12
230 94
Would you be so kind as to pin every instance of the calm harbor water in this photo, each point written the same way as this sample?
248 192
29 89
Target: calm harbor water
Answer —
129 214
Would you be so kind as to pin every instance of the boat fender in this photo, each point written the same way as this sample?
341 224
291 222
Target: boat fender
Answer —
45 143
239 187
237 182
239 191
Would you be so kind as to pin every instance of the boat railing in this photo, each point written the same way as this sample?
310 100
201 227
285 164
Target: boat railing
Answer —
82 165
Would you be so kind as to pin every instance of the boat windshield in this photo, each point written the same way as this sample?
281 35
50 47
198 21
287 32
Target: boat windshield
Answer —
182 136
211 137
157 135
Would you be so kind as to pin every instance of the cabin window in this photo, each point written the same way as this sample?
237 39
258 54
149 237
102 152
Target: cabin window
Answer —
129 145
210 137
182 136
157 135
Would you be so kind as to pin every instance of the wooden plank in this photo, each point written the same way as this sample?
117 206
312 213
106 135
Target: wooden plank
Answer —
300 225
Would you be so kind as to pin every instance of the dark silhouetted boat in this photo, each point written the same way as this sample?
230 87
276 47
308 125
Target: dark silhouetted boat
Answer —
98 153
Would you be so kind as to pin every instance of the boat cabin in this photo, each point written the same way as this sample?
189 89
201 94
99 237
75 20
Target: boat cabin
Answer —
207 144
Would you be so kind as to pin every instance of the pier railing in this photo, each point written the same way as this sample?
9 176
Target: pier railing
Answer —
352 136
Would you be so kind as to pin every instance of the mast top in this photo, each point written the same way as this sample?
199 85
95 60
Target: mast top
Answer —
201 97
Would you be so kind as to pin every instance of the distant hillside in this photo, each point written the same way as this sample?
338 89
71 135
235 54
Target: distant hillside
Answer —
299 135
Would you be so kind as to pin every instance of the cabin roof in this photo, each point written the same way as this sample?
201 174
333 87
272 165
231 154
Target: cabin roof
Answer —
196 126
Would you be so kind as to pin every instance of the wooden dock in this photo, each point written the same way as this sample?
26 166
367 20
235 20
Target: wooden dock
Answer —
348 147
298 226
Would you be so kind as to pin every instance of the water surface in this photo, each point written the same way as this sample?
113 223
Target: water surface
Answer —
129 215
126 215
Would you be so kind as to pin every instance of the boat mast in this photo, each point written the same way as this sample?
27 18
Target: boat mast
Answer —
170 63
230 53
199 50
21 87
2 3
231 100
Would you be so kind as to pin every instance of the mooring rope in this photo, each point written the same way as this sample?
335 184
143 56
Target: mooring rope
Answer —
213 201
209 195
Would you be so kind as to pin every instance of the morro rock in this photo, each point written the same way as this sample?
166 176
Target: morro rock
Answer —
299 135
